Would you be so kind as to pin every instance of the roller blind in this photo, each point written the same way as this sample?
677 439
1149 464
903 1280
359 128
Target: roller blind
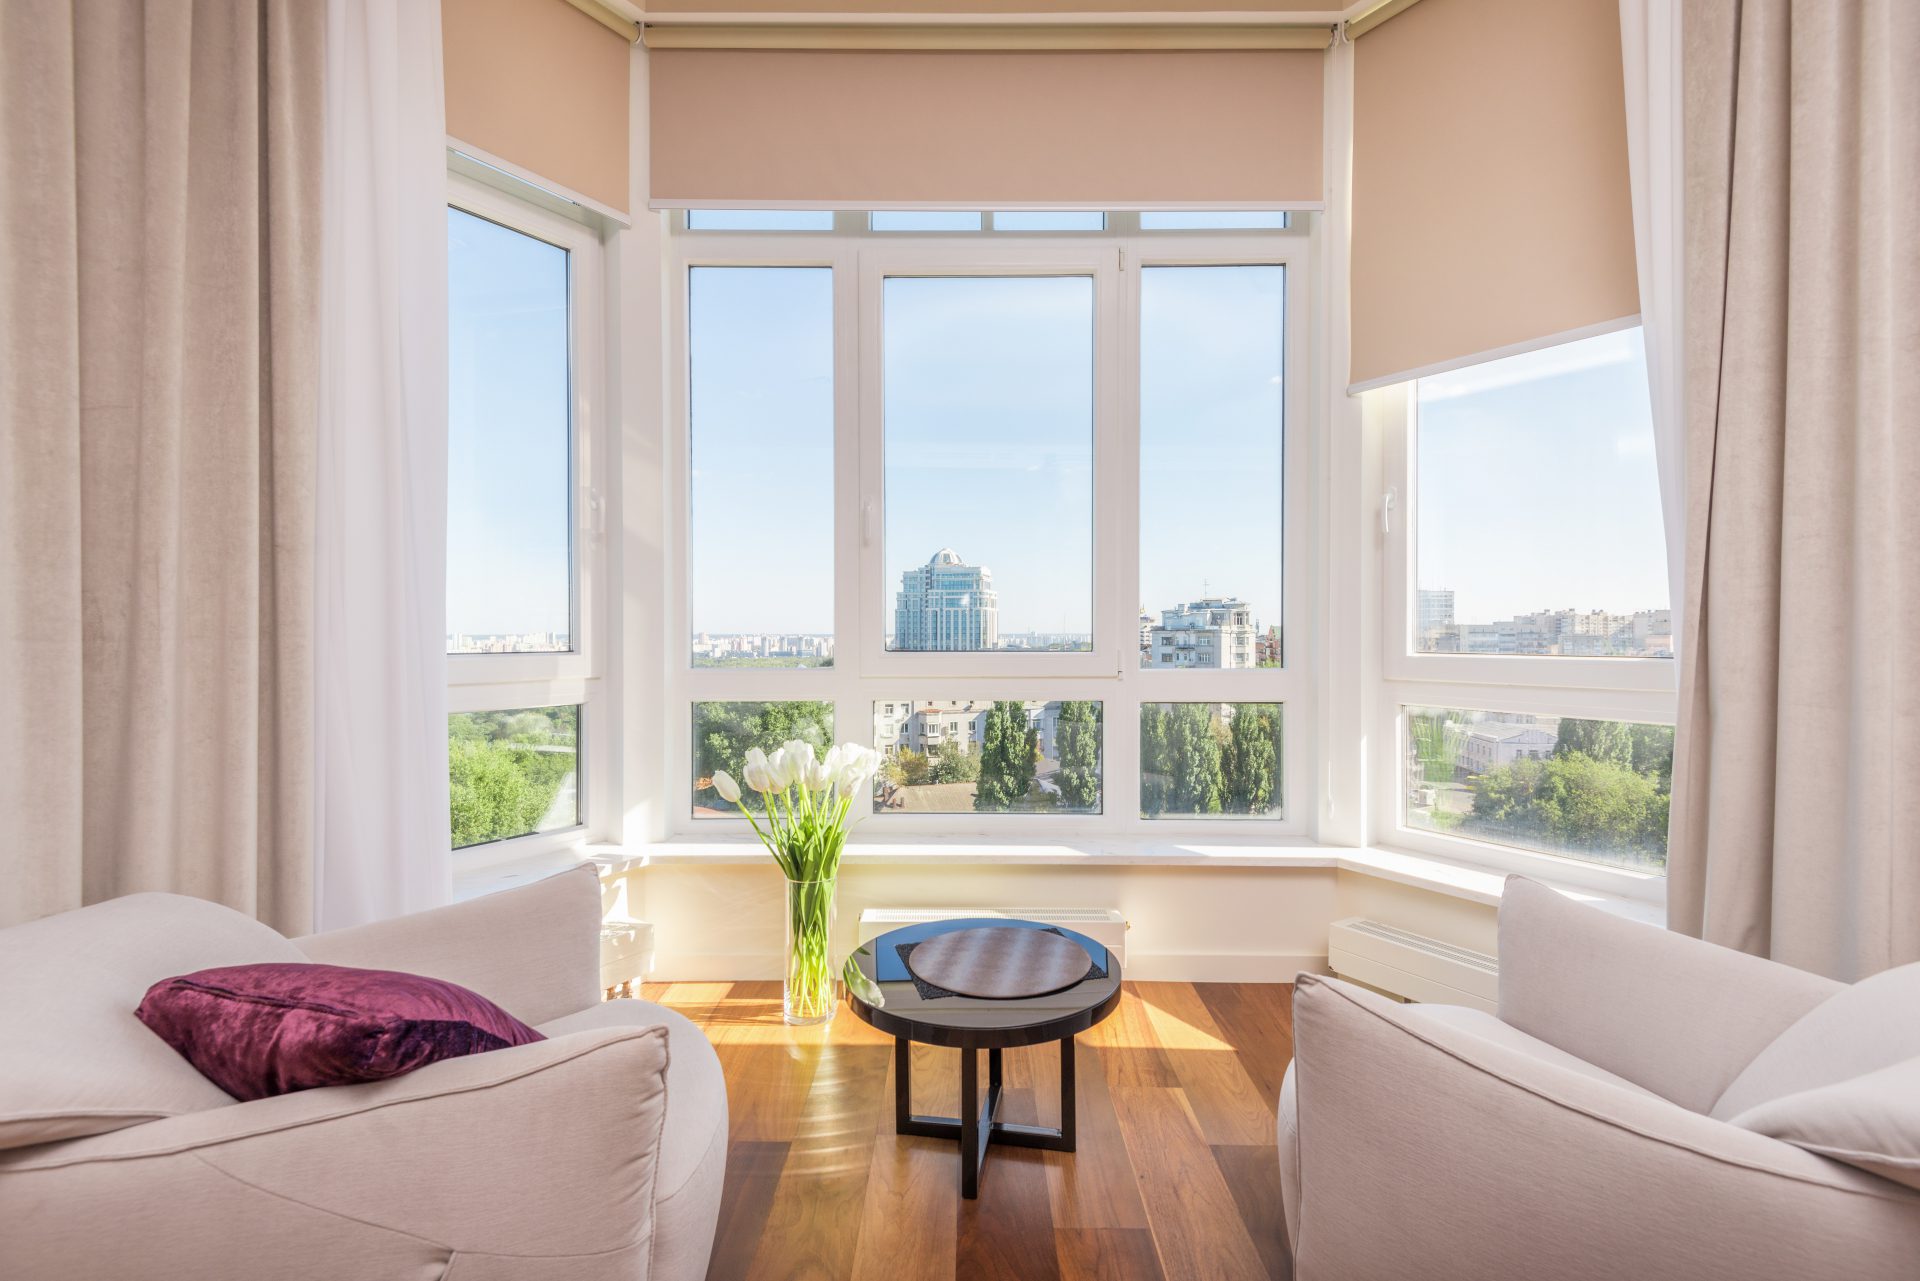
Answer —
1093 128
1490 201
543 86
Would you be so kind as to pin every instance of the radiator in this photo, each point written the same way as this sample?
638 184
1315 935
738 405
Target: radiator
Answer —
1412 966
1104 925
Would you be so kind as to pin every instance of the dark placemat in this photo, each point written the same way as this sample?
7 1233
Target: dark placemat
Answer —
928 992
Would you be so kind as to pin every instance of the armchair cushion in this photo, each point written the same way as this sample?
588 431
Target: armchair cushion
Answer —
73 1058
1675 1015
1872 1121
1872 1025
260 1030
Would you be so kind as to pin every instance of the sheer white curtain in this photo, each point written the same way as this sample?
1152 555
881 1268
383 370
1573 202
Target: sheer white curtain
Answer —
1650 49
382 839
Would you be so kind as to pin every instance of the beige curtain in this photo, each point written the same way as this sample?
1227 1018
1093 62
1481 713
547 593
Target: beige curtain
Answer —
1796 818
159 240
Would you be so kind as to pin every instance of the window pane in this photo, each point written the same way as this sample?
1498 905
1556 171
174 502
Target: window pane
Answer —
759 220
1594 790
513 772
1212 356
923 220
1035 220
1210 760
989 462
509 442
1222 220
761 407
1539 507
723 733
979 756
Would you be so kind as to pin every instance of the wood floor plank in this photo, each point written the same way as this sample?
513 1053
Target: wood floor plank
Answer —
1197 1228
1107 1254
813 1227
1130 1049
1257 1018
1253 1176
909 1228
1094 1187
1230 1107
1007 1234
769 1066
753 1172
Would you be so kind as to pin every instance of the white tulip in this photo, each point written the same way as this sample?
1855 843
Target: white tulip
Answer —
818 777
758 772
729 790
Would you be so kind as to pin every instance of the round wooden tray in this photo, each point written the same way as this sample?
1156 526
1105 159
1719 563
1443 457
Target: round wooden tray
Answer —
1000 962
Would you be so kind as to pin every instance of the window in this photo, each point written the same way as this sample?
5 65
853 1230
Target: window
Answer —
989 462
1222 220
1212 354
1589 789
723 734
984 463
760 220
761 373
1045 221
920 220
1208 760
513 773
998 756
525 735
509 442
1539 514
1529 642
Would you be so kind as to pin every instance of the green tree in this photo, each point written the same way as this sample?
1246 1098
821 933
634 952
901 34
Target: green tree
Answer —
1653 752
952 764
1607 741
505 769
1436 740
1153 738
1250 760
1077 739
725 732
1006 758
1193 754
1576 804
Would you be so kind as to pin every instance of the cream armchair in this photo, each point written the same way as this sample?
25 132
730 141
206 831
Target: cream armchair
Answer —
598 1153
1579 1134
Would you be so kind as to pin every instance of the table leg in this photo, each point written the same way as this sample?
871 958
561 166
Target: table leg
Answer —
970 1145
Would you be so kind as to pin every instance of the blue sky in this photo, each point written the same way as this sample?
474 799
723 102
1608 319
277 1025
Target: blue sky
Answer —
508 442
1537 484
1537 481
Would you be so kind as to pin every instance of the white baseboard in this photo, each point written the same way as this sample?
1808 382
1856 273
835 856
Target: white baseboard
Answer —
1163 967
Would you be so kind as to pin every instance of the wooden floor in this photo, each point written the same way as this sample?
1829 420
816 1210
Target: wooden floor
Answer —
1175 1176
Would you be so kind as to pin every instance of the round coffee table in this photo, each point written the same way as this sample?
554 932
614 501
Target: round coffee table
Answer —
920 1011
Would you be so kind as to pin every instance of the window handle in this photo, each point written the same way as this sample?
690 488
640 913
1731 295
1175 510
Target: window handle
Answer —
1387 501
866 523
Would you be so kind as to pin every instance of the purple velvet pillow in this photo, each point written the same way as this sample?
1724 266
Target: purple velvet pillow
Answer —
260 1030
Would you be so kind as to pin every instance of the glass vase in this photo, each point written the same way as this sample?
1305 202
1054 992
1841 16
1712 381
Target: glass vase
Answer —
810 984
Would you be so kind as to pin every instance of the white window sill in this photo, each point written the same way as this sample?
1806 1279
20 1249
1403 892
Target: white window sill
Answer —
1453 878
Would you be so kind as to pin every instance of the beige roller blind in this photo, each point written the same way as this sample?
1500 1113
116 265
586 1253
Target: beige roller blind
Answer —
1094 128
1490 199
543 86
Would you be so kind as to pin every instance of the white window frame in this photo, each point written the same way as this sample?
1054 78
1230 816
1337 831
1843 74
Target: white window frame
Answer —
501 682
1623 689
864 672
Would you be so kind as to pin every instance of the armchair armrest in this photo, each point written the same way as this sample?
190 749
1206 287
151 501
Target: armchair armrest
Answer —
1431 1152
1670 1013
519 1157
534 950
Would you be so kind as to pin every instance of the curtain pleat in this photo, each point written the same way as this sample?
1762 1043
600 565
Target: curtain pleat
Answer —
1796 830
158 635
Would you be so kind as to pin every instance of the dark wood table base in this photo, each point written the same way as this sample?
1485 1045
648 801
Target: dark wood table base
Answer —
976 1127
